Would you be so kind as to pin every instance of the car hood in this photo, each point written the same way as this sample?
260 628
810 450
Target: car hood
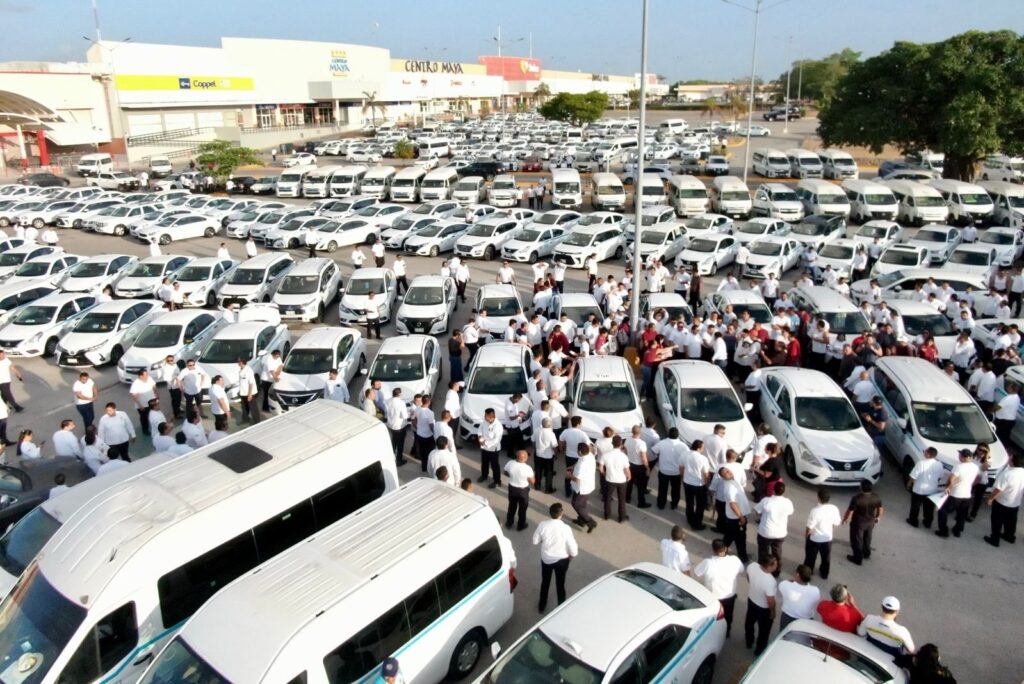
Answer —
474 240
763 260
691 255
515 245
138 283
75 342
739 434
295 299
848 445
474 406
409 388
418 311
229 289
594 423
84 284
290 382
358 302
573 249
12 331
136 356
419 240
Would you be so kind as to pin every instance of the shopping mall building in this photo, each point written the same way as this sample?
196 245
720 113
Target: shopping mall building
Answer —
136 100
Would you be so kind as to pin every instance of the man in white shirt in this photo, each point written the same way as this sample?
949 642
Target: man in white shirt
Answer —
191 381
64 441
544 445
958 493
335 388
1005 500
195 434
720 573
737 507
883 631
180 446
1005 412
398 267
583 477
821 524
982 384
222 252
715 446
269 375
520 479
423 427
142 389
799 597
569 441
116 431
673 553
773 526
248 392
445 456
377 250
357 257
925 480
614 465
397 420
517 410
85 393
669 452
696 475
557 548
156 416
219 406
490 436
760 602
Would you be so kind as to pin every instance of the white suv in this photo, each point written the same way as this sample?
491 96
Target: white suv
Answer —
776 200
486 237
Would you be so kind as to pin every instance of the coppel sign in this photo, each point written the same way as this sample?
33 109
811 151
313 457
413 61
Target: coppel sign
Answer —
339 63
190 83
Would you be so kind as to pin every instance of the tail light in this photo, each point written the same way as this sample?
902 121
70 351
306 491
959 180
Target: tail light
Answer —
512 581
721 612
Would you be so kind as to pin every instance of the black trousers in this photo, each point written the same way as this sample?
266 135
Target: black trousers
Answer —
639 483
8 396
959 507
265 387
758 620
666 484
1004 429
513 441
460 288
144 419
196 400
87 412
118 451
401 284
784 620
618 490
372 326
920 503
251 408
1004 523
398 442
580 502
570 463
1014 299
977 498
812 550
735 532
545 470
518 502
860 540
312 250
424 445
489 460
766 545
728 609
175 401
220 421
696 502
473 347
559 568
379 261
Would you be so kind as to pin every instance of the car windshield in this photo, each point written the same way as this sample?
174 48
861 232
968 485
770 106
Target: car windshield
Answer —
873 231
191 274
710 405
994 238
482 230
703 246
848 322
746 227
936 324
528 235
308 361
397 367
952 423
766 248
21 543
179 663
97 323
658 191
1017 202
969 258
812 228
690 193
538 659
433 183
12 258
832 414
36 624
158 336
466 187
247 276
834 251
503 380
606 397
299 284
271 218
364 286
566 188
227 351
89 269
735 196
116 211
929 201
431 230
424 296
870 671
592 220
784 196
579 314
291 226
975 198
930 236
147 271
879 198
900 257
33 268
500 306
654 237
34 315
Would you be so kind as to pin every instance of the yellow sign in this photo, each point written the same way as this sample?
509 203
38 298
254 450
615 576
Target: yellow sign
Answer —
200 83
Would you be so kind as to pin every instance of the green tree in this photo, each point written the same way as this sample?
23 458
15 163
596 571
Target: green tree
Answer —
710 106
404 150
817 79
963 96
575 109
542 92
371 105
222 157
634 97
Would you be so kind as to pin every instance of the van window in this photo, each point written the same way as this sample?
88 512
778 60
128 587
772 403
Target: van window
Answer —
349 495
469 573
285 530
104 646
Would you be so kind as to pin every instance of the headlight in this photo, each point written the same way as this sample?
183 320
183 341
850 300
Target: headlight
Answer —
155 366
93 347
806 455
120 365
35 338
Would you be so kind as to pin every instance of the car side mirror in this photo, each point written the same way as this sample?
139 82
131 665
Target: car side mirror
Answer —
748 407
364 371
897 289
667 406
495 649
902 422
189 340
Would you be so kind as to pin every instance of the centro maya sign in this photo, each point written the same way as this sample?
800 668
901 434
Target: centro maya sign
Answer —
339 63
428 67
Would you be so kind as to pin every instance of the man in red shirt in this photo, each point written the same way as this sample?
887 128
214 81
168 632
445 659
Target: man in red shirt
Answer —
557 341
841 612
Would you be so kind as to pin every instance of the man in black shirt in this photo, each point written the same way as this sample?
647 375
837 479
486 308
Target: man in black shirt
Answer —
863 514
874 422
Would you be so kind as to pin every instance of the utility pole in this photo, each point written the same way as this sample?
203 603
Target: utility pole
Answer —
789 77
634 299
750 104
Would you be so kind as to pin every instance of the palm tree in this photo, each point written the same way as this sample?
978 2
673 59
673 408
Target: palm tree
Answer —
710 107
370 104
738 103
542 92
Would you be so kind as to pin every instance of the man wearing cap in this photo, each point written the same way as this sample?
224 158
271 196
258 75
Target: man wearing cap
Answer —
841 612
958 493
390 673
883 632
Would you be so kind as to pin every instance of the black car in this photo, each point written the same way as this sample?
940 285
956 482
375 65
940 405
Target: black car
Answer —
487 169
45 180
779 114
242 184
25 486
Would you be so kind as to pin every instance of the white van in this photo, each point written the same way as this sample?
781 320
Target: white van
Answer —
999 167
607 192
918 203
405 186
504 192
160 167
424 575
377 182
438 184
1007 203
688 196
94 164
804 164
968 203
669 128
317 182
822 197
566 189
289 183
348 181
125 571
838 165
870 200
652 189
770 163
469 190
731 196
429 148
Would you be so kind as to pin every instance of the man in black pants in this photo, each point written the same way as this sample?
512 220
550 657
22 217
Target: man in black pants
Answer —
557 548
372 317
696 473
491 432
760 602
737 507
1005 501
520 479
863 514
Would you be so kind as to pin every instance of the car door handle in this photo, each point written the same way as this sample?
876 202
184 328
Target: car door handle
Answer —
143 659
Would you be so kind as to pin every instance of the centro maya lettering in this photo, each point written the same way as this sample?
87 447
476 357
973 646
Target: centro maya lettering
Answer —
339 63
426 66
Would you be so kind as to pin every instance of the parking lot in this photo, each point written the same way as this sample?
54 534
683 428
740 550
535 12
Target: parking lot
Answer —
961 582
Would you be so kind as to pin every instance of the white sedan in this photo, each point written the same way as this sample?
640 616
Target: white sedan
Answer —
772 255
146 276
102 334
707 254
34 329
95 273
888 233
427 307
300 159
439 236
760 227
257 333
343 232
181 227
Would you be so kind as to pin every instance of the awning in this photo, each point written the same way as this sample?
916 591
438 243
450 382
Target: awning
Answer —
62 133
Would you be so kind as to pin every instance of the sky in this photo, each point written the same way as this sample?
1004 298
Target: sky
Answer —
688 39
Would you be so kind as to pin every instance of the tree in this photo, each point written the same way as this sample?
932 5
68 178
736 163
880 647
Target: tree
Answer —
634 97
817 79
370 104
222 157
542 92
737 101
963 96
404 150
710 106
575 109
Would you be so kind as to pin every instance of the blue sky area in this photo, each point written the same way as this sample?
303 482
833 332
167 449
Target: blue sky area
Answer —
688 38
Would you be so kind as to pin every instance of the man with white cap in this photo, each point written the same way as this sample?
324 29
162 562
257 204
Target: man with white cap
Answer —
883 632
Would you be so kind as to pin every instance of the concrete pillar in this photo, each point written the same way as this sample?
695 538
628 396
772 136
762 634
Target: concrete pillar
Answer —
21 141
44 155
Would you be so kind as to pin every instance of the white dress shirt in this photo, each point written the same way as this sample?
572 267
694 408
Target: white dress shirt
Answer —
491 434
720 574
519 474
774 512
115 429
674 556
556 541
448 459
66 444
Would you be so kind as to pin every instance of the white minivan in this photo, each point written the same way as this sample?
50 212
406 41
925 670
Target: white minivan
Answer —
317 183
804 164
94 164
838 165
469 190
822 197
731 197
289 183
405 186
438 184
918 203
1007 202
566 189
770 163
348 181
377 182
688 196
968 203
870 200
607 192
651 189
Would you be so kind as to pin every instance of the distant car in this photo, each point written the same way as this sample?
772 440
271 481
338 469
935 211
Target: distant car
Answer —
760 227
740 301
95 273
379 281
772 256
264 186
115 180
755 131
300 159
145 277
888 233
705 255
439 236
182 334
705 224
779 114
485 239
44 180
201 280
531 164
487 169
241 184
34 329
716 165
27 484
48 269
659 244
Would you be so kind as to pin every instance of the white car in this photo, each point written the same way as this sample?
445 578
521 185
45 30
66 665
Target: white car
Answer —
12 259
145 277
815 231
695 396
1007 242
599 241
381 216
667 627
394 236
257 332
809 651
34 329
135 224
267 222
674 305
740 301
306 367
292 234
345 207
201 280
409 362
365 154
120 218
104 332
916 318
335 233
755 130
705 255
498 371
535 240
938 240
439 236
577 307
899 257
300 159
760 227
603 393
83 211
428 306
308 289
256 208
222 207
182 334
820 434
181 227
379 281
495 306
976 257
255 280
839 255
986 331
49 268
241 223
474 213
772 255
485 238
404 228
651 216
114 180
888 233
12 212
95 273
45 214
657 244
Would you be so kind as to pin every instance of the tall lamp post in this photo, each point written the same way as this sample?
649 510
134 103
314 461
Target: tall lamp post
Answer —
789 78
634 299
497 39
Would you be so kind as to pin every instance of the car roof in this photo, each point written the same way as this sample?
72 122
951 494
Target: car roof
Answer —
246 330
404 344
264 260
160 258
119 305
577 299
806 382
923 380
912 307
208 261
429 281
656 299
825 298
310 266
741 297
776 187
944 275
182 316
361 273
974 247
52 256
499 354
693 373
777 239
496 290
938 227
608 368
58 298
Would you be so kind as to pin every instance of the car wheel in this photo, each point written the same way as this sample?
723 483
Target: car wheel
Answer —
120 231
434 251
266 299
65 182
370 239
293 244
332 247
211 300
50 348
714 268
320 313
618 252
705 673
362 364
534 257
489 253
4 221
466 655
116 353
209 232
984 176
38 223
790 462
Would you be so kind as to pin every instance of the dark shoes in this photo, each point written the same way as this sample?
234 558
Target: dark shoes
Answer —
854 560
992 541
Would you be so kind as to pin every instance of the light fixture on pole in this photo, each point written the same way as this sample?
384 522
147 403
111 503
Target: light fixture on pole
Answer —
634 300
789 78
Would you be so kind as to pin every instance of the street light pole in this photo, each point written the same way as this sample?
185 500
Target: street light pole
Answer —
789 77
634 297
750 103
799 82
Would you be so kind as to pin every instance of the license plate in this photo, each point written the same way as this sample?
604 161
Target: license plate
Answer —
71 361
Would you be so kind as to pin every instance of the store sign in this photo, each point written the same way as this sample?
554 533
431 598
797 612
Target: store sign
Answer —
266 107
200 83
428 67
512 68
339 63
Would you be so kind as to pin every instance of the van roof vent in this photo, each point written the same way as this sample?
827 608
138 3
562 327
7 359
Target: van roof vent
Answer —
241 457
